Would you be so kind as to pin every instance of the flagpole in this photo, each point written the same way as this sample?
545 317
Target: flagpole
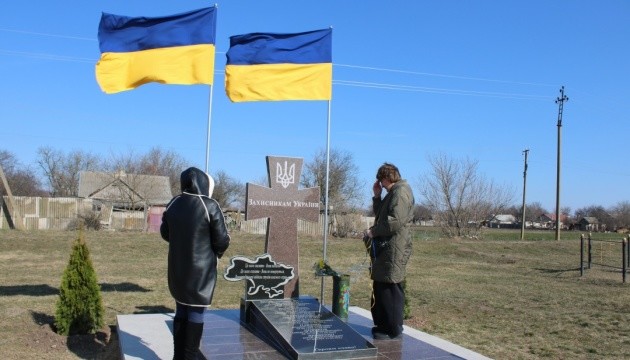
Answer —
208 134
326 207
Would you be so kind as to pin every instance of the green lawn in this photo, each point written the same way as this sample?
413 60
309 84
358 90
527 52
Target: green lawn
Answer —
500 296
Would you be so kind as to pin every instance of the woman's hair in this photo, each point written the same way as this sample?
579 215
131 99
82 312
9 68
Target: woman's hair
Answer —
388 171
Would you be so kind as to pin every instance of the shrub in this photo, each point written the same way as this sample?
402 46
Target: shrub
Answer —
79 308
90 220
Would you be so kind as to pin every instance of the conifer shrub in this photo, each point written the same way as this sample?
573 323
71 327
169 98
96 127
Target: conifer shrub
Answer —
79 308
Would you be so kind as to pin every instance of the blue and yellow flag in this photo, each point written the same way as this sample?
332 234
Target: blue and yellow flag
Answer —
177 49
268 67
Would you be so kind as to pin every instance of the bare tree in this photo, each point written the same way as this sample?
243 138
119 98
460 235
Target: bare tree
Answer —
534 210
155 162
621 213
597 211
228 192
422 212
165 163
22 180
344 188
459 197
62 170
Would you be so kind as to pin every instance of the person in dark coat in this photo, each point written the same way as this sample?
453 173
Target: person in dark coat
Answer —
389 243
194 227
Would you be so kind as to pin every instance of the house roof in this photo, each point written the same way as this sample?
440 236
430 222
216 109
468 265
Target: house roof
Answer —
552 217
589 220
125 188
503 218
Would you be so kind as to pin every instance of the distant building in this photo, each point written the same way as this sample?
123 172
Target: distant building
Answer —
548 221
503 221
129 191
142 197
589 223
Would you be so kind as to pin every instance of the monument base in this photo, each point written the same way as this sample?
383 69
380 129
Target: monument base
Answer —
302 328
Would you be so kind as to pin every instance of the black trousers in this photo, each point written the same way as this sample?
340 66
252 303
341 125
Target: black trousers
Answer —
388 301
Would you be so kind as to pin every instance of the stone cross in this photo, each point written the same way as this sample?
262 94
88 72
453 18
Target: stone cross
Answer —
283 204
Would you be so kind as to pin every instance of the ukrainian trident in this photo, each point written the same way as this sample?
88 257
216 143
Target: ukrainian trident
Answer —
282 203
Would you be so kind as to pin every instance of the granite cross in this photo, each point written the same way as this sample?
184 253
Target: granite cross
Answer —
282 203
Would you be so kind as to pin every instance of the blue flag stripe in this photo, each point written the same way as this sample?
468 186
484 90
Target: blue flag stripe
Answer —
118 33
312 47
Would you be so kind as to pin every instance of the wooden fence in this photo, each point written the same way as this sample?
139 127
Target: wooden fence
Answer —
41 213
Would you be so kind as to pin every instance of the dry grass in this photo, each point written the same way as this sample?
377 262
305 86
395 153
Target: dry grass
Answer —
504 298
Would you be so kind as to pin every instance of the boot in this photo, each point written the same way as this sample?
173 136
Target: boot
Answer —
179 337
193 340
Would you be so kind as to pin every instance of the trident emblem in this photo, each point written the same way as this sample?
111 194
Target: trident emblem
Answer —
287 177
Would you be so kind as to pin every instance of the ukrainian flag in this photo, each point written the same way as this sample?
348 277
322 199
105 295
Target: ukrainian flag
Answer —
177 49
266 66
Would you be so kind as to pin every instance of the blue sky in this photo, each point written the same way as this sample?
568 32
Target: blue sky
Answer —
473 79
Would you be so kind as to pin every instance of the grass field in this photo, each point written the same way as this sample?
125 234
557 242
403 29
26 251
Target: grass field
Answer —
502 297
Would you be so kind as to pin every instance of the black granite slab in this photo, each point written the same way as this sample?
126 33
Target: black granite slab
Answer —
304 329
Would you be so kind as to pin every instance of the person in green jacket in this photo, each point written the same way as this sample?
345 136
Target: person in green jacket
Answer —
389 243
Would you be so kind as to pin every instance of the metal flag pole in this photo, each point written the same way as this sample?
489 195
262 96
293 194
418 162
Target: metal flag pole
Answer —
216 6
208 134
326 207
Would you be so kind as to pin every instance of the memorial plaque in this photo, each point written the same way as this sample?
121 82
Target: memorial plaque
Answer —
303 329
265 278
283 204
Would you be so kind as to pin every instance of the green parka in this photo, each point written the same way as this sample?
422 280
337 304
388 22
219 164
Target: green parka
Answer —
393 215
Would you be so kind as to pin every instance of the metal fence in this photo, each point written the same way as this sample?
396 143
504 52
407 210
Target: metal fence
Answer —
611 254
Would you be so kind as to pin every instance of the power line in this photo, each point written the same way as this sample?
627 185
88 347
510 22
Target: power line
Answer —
49 35
439 90
47 56
440 75
382 86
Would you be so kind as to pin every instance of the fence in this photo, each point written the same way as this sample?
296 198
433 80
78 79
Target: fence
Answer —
606 255
259 226
41 213
342 225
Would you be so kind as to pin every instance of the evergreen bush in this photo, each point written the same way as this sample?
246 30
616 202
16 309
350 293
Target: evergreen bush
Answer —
80 306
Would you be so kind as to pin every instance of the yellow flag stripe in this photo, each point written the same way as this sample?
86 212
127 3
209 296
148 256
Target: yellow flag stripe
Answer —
276 82
185 65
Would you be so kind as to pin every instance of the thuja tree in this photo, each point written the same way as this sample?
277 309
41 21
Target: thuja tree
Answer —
80 306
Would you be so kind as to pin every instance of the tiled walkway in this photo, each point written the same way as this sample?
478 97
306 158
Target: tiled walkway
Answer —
148 337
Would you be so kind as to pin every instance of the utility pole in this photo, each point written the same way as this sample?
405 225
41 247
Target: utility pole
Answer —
14 214
524 188
560 101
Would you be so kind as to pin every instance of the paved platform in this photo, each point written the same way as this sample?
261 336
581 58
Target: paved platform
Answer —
149 337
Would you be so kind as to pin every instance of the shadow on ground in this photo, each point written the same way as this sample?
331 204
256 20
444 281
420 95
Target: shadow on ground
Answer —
47 290
153 309
29 290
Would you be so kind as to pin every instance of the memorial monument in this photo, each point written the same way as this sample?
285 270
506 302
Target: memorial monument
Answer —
298 326
282 203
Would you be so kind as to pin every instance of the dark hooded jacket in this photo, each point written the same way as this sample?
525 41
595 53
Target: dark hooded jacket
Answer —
194 227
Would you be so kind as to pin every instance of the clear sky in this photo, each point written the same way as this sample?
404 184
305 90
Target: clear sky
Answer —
473 79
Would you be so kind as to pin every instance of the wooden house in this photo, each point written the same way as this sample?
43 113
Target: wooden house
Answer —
142 197
589 223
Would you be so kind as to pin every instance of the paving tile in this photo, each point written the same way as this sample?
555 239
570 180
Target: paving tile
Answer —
149 336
